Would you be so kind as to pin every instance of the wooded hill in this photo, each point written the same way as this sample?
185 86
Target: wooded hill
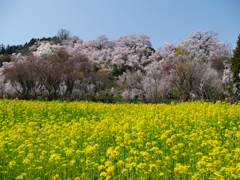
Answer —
200 67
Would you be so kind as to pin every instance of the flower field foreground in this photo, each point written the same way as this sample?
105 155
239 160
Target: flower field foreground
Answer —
85 140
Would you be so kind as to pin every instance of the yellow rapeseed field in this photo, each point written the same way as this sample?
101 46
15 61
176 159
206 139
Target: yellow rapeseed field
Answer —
84 140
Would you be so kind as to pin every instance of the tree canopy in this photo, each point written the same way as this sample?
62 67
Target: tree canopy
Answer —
127 68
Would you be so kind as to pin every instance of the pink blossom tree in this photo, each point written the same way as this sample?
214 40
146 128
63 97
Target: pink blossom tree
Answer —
156 83
192 73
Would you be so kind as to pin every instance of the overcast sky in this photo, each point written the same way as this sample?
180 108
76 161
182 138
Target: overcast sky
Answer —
162 20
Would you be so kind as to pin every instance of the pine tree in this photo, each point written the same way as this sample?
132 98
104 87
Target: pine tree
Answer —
2 49
235 64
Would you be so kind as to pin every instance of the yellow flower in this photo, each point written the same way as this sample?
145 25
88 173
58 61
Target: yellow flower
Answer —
129 159
101 167
73 143
69 151
199 153
72 162
175 157
103 174
180 145
169 140
153 166
141 165
112 152
108 163
144 153
154 143
161 174
55 176
54 157
12 164
121 163
39 167
26 161
30 156
180 169
21 176
110 170
125 172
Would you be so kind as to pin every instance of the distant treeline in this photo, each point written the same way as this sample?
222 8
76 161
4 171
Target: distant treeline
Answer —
23 49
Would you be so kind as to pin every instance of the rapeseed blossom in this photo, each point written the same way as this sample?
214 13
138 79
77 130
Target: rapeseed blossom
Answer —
85 140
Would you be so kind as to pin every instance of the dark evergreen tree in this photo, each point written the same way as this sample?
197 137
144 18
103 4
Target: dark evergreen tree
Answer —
2 49
8 49
31 42
235 64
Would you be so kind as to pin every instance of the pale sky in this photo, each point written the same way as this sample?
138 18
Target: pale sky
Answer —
162 20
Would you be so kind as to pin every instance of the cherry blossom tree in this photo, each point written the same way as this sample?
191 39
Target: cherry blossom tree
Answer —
131 84
156 83
21 73
203 45
229 86
133 41
190 64
101 42
152 85
45 50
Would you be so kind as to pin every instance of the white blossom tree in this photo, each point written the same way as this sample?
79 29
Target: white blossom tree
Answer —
46 50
